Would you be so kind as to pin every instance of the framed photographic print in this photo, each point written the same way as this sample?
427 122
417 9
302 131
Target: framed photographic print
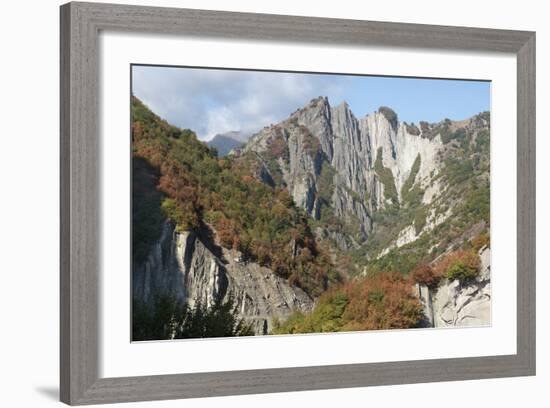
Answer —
259 203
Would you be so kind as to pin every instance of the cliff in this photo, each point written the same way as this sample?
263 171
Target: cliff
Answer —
182 265
333 163
455 303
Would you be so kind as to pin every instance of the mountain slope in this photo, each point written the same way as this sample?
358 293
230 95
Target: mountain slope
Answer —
240 226
373 184
321 209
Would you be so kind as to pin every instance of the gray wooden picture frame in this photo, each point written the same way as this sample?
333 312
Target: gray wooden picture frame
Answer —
81 24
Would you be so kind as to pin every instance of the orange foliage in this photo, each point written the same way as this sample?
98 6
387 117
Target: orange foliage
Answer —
426 275
227 232
464 257
383 301
480 241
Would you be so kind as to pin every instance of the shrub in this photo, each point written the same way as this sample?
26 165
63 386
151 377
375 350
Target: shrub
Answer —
326 182
481 240
446 134
381 301
420 216
390 115
425 127
482 141
412 129
425 275
462 265
461 271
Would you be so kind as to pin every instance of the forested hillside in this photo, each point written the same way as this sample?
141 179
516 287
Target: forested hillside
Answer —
322 223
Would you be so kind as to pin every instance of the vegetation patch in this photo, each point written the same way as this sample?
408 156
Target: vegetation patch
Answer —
197 187
325 185
383 301
412 129
462 265
168 319
147 217
386 178
405 189
425 274
420 215
390 115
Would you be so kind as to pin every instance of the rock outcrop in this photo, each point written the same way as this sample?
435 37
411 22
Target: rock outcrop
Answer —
183 266
319 135
454 303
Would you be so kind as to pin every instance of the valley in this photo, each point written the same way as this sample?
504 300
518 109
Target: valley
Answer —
322 222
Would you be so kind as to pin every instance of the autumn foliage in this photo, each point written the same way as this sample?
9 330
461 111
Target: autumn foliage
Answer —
425 274
481 241
461 265
200 189
382 301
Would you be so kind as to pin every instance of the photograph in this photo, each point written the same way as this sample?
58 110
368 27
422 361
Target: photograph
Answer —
283 203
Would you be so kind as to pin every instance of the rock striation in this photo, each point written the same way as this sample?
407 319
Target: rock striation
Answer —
183 265
319 137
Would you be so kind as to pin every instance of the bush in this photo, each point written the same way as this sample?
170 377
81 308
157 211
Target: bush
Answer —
482 141
462 271
462 265
425 275
420 216
390 115
481 241
381 301
412 129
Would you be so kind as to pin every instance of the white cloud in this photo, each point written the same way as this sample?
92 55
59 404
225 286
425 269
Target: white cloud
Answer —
218 101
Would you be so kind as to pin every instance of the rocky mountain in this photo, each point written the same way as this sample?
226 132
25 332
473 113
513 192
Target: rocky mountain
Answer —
343 170
224 143
319 200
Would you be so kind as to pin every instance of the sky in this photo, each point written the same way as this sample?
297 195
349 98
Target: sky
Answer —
212 101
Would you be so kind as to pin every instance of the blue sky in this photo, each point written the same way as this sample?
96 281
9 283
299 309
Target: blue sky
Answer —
211 101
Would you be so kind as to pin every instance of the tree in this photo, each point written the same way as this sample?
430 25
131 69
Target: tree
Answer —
462 265
167 319
424 274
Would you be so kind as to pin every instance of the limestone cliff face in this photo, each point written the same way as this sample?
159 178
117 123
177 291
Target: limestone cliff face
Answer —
319 135
181 265
454 303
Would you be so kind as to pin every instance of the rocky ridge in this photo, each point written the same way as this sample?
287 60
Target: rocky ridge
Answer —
319 135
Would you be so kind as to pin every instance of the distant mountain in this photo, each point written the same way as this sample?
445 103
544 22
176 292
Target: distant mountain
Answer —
238 135
225 142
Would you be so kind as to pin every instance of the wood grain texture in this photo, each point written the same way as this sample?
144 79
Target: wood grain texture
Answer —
526 201
79 196
79 204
